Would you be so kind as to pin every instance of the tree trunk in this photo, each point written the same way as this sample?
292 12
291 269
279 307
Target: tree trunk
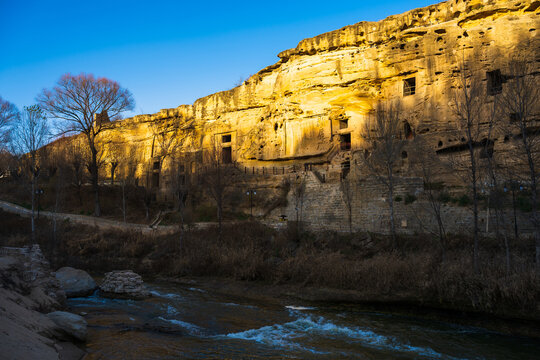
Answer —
219 215
350 219
124 199
475 200
534 197
442 233
32 220
391 205
475 215
95 182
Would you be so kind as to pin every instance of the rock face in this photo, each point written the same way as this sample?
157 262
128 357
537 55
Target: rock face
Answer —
28 289
307 111
71 324
75 282
123 284
26 271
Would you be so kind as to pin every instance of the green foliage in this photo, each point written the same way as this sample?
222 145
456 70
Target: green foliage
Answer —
409 199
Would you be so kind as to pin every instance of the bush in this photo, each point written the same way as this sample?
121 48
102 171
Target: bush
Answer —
366 263
464 200
409 199
444 197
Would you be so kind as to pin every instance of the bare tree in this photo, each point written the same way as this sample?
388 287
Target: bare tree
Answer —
181 188
83 104
216 178
115 156
297 184
468 98
127 175
8 114
76 160
382 137
433 189
59 193
29 134
167 140
519 102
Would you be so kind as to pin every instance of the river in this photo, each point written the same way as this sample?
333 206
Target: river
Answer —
200 324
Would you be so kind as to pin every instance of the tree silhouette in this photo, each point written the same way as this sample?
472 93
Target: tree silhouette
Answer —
29 134
84 104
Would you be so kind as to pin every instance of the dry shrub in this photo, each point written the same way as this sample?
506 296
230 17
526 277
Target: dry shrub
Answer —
252 251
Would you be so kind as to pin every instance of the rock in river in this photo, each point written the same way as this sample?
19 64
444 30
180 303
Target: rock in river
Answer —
71 324
75 282
123 284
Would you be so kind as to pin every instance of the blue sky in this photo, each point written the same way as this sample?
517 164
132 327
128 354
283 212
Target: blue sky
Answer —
167 53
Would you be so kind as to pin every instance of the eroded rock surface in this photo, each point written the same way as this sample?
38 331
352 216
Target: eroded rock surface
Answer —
75 282
29 288
123 284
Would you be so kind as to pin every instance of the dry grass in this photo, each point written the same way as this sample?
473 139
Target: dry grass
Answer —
251 251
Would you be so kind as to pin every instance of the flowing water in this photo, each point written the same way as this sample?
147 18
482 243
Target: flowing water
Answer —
201 325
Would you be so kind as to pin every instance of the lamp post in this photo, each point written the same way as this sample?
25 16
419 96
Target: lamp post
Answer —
39 192
250 193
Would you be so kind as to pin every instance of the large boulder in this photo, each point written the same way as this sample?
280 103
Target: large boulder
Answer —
75 282
71 324
124 284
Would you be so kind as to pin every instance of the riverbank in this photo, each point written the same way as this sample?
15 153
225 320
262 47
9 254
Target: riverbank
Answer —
30 297
356 268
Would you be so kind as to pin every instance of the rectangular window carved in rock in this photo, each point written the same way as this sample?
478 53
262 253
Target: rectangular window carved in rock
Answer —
345 141
343 124
494 82
409 86
226 155
156 165
226 138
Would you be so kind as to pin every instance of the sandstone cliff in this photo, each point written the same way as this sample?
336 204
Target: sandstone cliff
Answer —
309 107
292 109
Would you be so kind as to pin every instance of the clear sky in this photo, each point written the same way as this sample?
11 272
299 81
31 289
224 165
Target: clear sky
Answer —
167 53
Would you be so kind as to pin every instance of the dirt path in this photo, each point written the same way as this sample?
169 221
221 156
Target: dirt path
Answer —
103 224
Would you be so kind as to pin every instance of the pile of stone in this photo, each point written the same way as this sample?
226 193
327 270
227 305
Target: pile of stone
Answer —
123 284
